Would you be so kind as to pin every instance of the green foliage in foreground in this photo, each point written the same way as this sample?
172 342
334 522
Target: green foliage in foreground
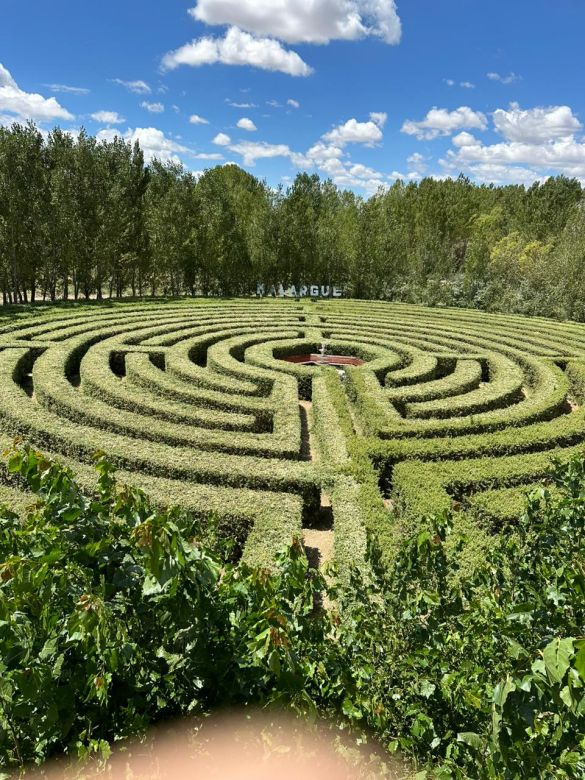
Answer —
114 615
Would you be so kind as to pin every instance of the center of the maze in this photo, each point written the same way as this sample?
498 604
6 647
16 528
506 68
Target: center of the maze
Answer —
317 359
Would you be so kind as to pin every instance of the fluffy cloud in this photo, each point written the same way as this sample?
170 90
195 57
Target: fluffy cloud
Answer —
153 142
354 132
440 121
108 117
238 48
565 155
154 108
416 163
222 139
536 125
328 155
464 139
463 84
138 87
509 79
246 124
195 119
299 21
250 151
19 104
490 173
537 142
293 103
240 105
379 117
345 173
67 89
208 156
321 154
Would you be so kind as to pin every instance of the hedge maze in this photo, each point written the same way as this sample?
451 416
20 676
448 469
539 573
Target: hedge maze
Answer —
452 409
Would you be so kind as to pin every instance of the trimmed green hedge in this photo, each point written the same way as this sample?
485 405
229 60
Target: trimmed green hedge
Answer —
452 410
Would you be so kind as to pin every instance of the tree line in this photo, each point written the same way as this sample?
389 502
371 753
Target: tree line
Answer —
81 218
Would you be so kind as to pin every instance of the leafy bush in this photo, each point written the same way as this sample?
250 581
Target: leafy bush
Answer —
114 615
484 673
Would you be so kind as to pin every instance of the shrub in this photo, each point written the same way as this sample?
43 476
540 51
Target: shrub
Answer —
114 615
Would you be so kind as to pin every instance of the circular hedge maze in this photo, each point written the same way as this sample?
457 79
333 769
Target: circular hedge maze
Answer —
192 401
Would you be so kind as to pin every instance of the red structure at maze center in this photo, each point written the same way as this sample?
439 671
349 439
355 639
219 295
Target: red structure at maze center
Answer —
323 360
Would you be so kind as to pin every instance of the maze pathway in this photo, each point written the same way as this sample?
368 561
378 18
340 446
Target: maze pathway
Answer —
191 400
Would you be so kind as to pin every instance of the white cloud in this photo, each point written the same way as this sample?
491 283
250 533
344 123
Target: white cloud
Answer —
6 79
139 87
238 48
153 143
564 155
354 175
246 124
108 117
416 162
511 78
293 103
379 117
250 151
537 142
321 154
354 132
208 156
67 89
463 84
464 139
240 105
299 21
27 105
154 108
274 103
440 121
536 125
330 157
491 172
222 139
363 172
195 119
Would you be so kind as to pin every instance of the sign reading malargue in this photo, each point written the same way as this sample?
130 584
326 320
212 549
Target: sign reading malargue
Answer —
304 290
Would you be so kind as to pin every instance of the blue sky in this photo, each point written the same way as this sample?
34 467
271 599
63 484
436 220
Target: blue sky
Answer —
362 91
